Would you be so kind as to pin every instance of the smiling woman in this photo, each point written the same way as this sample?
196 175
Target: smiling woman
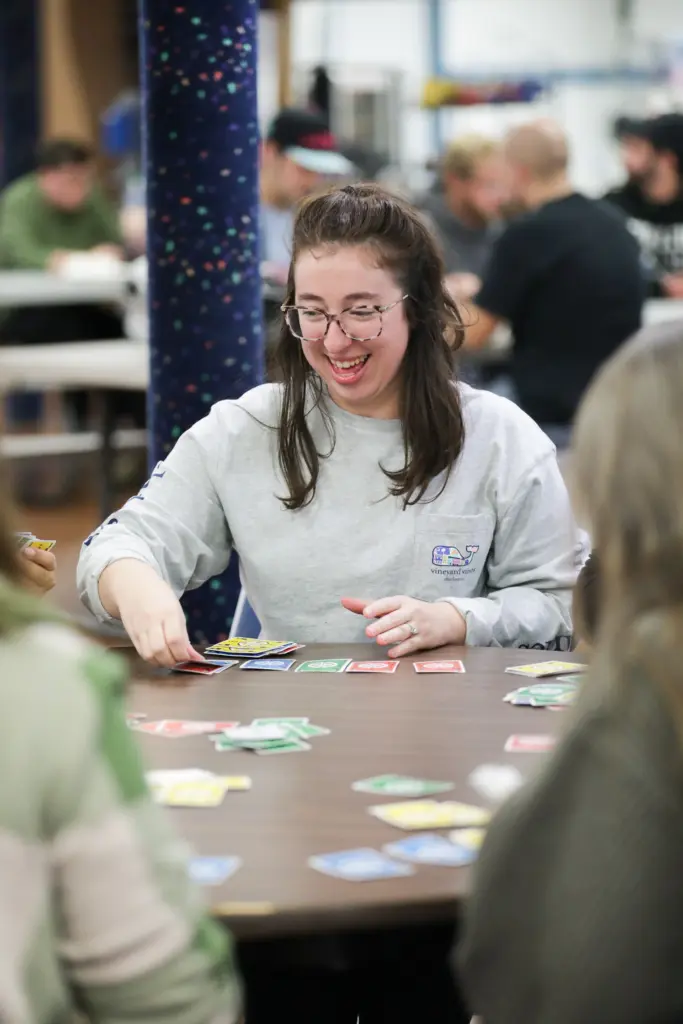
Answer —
447 502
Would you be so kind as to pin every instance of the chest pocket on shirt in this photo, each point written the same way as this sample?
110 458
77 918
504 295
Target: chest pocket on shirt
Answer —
451 553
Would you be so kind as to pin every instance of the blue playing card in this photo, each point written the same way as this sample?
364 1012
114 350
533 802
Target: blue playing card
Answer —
361 865
213 870
430 848
270 664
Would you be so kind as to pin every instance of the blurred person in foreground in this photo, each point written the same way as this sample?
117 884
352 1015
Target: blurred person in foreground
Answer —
465 212
653 202
299 155
566 276
97 913
577 913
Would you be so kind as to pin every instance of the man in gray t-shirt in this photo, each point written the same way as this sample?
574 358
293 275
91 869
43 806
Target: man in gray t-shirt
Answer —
464 212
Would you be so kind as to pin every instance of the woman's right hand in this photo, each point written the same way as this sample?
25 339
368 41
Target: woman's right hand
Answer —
149 611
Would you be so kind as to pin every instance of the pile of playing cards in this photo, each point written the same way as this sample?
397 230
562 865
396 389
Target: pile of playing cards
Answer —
269 736
546 695
246 647
193 787
29 540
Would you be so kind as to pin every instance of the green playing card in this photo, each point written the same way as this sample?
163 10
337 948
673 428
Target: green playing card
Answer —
280 721
401 785
307 730
328 665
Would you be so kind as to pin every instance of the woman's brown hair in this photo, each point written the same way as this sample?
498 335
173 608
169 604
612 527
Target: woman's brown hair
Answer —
431 417
628 479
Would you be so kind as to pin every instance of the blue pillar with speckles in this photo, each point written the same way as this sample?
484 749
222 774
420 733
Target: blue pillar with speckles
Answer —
201 154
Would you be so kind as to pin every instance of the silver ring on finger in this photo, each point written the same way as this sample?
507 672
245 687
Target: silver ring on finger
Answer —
412 628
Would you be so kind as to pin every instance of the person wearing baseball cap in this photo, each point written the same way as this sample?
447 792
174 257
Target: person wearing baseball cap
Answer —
297 155
653 202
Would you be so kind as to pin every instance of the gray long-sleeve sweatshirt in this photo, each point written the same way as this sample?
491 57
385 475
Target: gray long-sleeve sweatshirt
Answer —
499 543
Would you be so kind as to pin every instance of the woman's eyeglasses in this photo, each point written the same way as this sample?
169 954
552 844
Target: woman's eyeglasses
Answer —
359 323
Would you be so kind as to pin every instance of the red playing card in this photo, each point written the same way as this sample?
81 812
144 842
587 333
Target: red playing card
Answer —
530 744
177 728
438 666
372 666
203 668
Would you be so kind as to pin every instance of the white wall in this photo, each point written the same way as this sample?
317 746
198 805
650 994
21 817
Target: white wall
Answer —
479 35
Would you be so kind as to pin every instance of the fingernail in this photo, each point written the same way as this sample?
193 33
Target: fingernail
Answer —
30 553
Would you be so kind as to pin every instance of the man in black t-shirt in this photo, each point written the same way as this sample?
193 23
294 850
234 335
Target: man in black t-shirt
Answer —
566 276
653 204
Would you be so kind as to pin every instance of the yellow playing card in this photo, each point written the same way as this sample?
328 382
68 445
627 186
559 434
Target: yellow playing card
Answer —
244 645
546 668
235 783
470 838
425 814
197 793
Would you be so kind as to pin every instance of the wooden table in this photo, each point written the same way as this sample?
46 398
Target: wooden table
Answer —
431 726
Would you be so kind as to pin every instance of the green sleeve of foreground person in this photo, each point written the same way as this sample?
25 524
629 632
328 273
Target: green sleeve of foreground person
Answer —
31 229
106 919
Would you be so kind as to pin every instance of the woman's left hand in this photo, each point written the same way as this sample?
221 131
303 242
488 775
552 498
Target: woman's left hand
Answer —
409 625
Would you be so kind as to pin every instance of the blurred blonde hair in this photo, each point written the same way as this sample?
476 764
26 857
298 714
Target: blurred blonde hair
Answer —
464 154
628 480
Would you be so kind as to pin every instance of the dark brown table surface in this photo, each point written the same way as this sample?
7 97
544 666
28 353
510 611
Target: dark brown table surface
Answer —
430 726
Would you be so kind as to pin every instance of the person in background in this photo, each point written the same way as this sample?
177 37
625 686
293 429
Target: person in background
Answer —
635 152
466 210
566 276
298 154
653 205
97 914
577 911
46 216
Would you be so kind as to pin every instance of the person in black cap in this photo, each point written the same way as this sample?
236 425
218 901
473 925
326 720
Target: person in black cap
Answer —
298 154
653 202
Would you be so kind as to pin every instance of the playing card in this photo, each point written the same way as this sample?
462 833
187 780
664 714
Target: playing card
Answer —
430 848
213 870
280 721
41 545
400 785
307 731
251 733
438 666
203 668
470 838
174 729
234 783
282 747
426 814
530 744
546 668
496 782
363 865
328 665
372 666
192 793
269 664
247 647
